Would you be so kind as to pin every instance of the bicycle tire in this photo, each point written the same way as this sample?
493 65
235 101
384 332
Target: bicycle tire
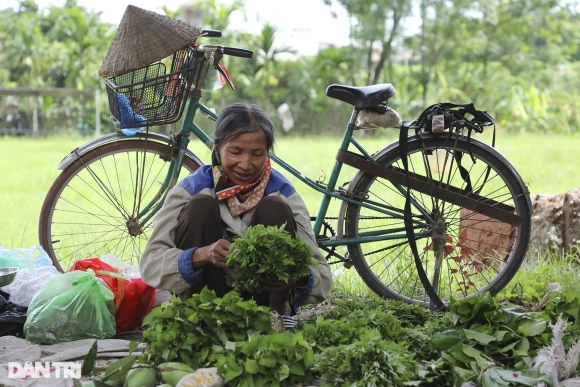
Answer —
480 254
90 208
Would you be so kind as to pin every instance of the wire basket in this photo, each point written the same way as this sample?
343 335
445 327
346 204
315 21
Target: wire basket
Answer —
151 96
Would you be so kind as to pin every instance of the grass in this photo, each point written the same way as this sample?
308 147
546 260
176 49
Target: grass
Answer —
547 163
539 275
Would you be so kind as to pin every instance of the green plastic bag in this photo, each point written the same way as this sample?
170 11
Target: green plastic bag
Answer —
73 306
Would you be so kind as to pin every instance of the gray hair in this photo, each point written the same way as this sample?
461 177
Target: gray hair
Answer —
242 118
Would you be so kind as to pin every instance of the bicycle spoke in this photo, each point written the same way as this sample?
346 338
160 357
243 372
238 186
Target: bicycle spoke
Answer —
94 211
478 251
110 197
88 213
106 198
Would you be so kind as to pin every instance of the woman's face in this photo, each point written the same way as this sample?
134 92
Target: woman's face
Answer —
244 157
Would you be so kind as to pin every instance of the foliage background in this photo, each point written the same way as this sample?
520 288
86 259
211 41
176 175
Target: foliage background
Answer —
517 59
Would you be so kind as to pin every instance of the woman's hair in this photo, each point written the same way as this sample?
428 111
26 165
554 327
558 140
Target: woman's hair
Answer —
241 118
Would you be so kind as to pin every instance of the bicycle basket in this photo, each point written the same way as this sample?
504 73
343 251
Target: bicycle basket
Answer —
150 96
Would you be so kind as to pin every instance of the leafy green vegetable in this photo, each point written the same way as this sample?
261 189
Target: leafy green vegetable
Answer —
408 315
566 303
368 362
90 359
489 335
118 369
436 374
197 331
495 377
327 332
281 359
419 344
265 255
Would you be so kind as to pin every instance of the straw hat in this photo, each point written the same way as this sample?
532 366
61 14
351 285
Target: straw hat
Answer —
144 37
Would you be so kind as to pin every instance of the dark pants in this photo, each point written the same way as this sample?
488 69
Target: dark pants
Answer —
199 224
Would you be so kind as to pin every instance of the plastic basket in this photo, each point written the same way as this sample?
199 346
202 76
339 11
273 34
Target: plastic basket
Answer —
151 95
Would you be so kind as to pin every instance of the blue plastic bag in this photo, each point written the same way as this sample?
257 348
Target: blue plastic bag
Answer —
128 116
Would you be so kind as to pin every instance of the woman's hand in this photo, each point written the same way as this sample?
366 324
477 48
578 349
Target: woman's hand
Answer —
214 254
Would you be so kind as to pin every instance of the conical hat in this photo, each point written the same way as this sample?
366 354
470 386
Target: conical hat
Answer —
144 37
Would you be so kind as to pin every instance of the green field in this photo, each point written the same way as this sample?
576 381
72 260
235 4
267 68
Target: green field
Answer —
548 164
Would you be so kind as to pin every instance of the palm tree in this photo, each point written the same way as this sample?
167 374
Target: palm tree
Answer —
217 15
265 66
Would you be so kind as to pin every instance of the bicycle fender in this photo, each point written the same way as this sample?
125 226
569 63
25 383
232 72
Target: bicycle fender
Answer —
114 137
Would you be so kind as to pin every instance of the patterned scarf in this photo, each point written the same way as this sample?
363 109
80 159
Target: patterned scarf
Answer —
225 189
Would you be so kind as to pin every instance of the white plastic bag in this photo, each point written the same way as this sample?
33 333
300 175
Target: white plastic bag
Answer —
203 377
24 258
27 282
128 271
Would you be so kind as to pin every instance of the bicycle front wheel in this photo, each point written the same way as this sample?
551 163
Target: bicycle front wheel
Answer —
476 253
96 206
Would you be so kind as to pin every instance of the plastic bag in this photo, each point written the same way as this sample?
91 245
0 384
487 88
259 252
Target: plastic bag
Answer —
73 306
203 377
12 317
27 283
122 268
133 297
24 258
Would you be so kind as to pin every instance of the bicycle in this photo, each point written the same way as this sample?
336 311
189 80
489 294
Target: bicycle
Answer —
110 189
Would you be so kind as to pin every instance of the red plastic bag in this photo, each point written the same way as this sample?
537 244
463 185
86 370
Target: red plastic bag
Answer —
133 297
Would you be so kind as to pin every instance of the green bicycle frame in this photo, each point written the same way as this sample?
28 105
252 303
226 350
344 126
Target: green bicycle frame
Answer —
327 190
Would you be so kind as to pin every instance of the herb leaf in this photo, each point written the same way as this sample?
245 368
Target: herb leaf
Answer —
265 255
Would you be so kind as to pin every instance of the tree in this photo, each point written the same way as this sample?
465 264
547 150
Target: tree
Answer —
216 15
57 47
377 27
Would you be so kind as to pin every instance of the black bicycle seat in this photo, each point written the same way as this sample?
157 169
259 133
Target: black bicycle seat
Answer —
361 97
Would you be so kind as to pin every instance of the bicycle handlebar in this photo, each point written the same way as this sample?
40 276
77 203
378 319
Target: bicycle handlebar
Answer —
211 33
240 52
232 51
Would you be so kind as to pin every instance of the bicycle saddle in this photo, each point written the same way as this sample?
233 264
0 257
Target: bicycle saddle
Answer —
361 97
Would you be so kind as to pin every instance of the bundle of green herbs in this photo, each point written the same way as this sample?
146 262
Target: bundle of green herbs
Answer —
229 333
196 331
367 362
265 255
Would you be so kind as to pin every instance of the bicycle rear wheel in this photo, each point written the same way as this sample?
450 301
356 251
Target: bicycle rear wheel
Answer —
93 207
479 253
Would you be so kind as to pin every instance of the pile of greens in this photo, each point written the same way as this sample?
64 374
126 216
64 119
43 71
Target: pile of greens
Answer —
280 359
369 361
265 255
363 342
198 331
229 333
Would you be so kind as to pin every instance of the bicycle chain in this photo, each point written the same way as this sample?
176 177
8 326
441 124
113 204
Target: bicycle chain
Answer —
313 218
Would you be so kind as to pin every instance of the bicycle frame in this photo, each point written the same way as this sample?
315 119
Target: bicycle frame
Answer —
327 190
110 189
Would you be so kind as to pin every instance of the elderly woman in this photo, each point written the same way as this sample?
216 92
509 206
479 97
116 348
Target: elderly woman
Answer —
202 215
